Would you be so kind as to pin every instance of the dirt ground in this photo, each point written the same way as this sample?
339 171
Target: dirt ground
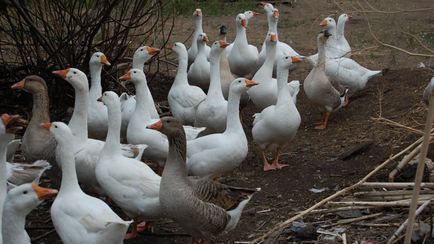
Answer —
313 156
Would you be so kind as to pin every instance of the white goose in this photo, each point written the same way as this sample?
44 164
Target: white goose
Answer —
128 103
226 76
131 184
193 50
211 112
183 98
218 153
198 73
277 124
78 217
243 58
137 133
20 201
97 113
265 94
341 41
282 49
86 151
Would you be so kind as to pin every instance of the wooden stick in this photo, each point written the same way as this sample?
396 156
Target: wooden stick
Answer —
398 203
389 193
399 230
403 162
396 197
396 184
349 221
393 123
419 171
338 209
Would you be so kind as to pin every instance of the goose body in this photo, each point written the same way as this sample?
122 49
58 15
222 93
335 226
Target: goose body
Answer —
198 73
318 87
212 111
20 173
86 151
428 91
183 98
20 201
131 184
265 94
194 50
37 143
277 124
78 217
203 208
97 113
243 58
221 152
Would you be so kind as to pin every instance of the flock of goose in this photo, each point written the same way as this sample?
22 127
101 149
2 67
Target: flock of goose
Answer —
202 141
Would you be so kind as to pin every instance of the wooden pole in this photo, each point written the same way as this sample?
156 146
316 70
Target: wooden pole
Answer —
419 171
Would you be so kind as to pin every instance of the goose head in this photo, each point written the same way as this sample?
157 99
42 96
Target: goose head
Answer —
241 21
271 38
202 39
250 14
61 132
275 15
110 99
32 84
217 48
170 126
345 18
75 77
98 59
136 76
179 48
143 54
223 30
197 14
24 198
240 85
9 124
329 23
287 62
323 36
268 7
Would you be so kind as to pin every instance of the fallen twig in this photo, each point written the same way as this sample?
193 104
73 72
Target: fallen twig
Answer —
349 221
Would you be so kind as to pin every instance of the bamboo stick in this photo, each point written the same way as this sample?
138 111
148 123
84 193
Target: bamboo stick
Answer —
419 171
349 221
399 230
396 184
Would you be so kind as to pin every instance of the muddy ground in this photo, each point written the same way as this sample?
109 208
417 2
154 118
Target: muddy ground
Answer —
313 156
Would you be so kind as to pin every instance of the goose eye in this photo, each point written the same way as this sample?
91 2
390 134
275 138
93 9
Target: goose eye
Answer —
135 72
97 56
141 49
286 57
75 72
24 192
239 81
55 126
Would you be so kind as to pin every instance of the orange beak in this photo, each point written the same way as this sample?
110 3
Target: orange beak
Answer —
276 13
255 13
103 60
169 46
323 23
244 23
350 16
61 73
223 44
99 99
153 50
43 193
125 77
46 125
6 118
205 39
19 85
273 38
156 126
250 83
295 59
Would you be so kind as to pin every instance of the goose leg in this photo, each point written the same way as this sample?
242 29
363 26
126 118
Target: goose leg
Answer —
267 166
134 233
145 225
275 163
323 123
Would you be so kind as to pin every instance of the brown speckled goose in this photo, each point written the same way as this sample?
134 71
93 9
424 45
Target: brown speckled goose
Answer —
204 208
37 143
318 87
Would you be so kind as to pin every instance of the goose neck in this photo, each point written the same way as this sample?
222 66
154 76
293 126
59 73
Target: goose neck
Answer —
112 144
41 107
233 123
241 37
141 92
215 89
283 95
272 23
181 73
95 78
78 122
69 182
138 64
340 29
14 230
321 55
176 159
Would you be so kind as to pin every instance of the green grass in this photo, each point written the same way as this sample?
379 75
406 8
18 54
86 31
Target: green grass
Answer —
210 7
